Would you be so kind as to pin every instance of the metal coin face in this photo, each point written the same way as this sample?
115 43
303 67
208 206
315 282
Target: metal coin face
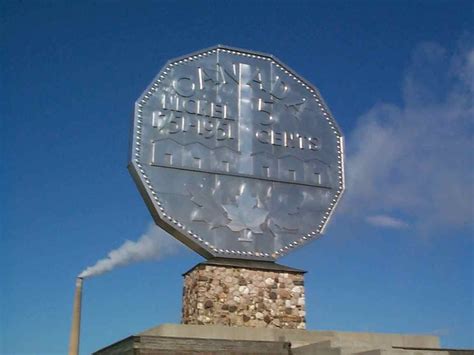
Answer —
236 155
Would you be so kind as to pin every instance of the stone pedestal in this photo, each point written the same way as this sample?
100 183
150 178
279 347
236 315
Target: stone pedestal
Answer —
244 293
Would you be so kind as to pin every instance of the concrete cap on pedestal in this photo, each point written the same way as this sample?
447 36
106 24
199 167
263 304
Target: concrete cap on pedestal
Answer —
247 264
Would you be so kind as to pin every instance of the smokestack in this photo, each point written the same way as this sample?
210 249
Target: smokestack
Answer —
76 319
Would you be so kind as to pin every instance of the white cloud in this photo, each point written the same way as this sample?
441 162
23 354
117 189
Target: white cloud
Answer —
386 221
416 158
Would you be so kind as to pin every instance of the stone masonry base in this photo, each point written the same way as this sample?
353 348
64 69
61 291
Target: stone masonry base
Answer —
243 293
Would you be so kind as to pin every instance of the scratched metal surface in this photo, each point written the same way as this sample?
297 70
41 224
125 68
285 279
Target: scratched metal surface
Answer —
236 155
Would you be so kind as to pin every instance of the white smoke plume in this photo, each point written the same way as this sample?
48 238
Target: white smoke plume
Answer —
153 244
411 164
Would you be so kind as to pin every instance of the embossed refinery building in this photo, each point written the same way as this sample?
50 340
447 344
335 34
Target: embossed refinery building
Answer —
239 158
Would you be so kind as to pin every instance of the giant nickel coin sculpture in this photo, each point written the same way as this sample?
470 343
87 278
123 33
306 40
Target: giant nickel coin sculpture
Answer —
236 155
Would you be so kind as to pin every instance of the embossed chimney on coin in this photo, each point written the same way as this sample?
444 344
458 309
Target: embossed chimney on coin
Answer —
238 293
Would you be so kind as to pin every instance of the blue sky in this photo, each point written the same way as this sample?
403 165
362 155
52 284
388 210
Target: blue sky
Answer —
397 75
